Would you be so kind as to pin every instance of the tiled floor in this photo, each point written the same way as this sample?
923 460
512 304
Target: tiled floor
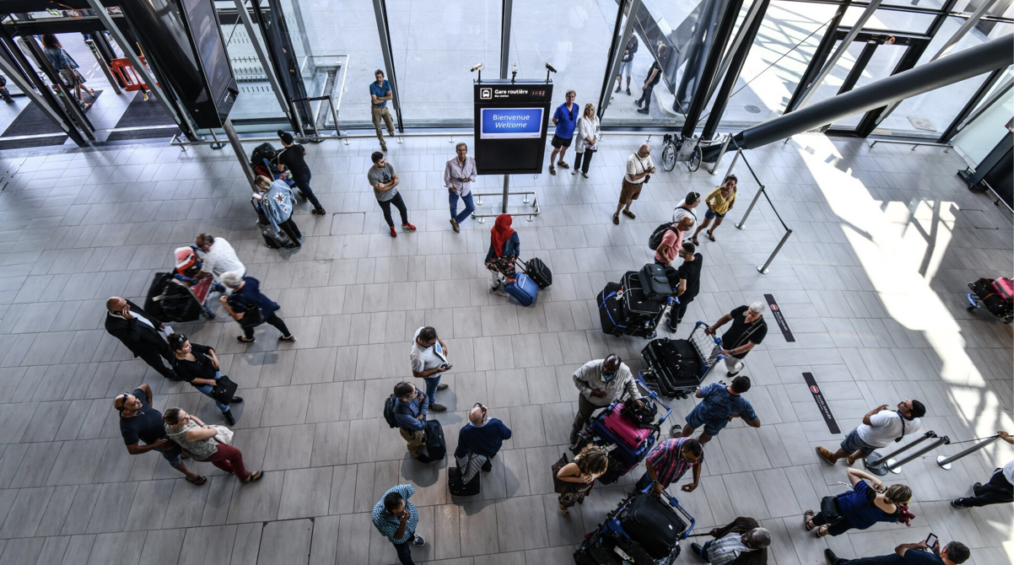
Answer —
872 283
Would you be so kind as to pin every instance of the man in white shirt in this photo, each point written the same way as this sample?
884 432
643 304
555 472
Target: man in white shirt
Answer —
458 173
599 382
639 169
999 488
879 428
218 256
685 210
429 358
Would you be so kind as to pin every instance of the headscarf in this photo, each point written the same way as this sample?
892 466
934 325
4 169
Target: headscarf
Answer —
500 233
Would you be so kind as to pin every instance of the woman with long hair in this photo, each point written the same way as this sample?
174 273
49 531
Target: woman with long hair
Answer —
66 67
586 467
720 201
868 503
504 250
588 128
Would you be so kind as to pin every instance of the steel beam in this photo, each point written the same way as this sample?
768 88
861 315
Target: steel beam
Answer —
723 29
506 37
619 52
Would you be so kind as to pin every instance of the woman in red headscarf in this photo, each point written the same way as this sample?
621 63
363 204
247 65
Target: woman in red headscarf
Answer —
501 257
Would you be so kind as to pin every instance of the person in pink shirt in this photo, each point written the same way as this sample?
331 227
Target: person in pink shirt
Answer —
672 241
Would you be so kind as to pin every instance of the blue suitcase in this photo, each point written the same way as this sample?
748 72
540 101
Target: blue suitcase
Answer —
522 289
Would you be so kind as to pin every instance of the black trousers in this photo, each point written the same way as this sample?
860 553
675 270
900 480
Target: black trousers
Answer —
678 310
585 158
291 230
302 181
385 206
997 490
155 359
272 320
645 98
404 551
836 528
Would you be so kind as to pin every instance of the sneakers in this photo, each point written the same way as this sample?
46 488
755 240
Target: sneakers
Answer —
975 488
958 503
319 212
418 541
438 407
736 370
830 556
486 467
618 88
442 386
393 232
697 550
628 93
455 225
408 227
643 111
236 399
671 328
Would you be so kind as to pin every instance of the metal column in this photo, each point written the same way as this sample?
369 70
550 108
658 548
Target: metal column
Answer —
147 77
236 145
741 48
506 37
851 36
275 84
707 76
389 62
619 52
38 98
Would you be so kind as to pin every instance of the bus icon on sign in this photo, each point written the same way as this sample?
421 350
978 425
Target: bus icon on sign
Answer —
485 94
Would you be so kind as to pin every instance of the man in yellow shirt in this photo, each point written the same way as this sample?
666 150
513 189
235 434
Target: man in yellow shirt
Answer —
719 202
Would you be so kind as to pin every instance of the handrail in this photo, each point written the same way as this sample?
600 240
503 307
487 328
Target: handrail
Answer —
915 144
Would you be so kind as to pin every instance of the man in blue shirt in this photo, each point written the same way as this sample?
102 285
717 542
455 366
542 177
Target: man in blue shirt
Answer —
954 553
411 414
719 406
564 119
479 442
380 93
396 518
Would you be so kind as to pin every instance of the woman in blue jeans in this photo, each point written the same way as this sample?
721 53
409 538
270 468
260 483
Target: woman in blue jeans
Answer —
199 366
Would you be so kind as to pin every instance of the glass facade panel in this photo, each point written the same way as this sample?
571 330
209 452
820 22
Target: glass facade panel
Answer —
888 20
981 135
256 99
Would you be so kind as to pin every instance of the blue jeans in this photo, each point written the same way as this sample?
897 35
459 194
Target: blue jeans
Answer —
704 551
302 181
404 551
432 383
208 391
453 203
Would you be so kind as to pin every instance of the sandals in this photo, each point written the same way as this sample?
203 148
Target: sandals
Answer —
200 480
825 454
253 477
629 214
241 339
808 525
615 219
711 236
821 532
286 338
563 164
552 169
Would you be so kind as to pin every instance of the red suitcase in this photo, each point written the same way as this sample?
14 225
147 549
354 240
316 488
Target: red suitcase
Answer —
624 428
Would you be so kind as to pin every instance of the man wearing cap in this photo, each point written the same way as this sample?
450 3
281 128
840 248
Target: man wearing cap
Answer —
294 158
599 382
747 330
879 428
141 422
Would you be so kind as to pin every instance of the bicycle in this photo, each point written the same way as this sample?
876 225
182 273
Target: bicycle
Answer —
676 145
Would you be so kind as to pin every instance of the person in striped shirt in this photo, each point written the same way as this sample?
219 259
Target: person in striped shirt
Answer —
669 461
396 518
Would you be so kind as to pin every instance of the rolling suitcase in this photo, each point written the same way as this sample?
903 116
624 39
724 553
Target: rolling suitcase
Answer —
653 525
458 488
596 549
523 289
538 272
624 431
675 365
654 281
434 448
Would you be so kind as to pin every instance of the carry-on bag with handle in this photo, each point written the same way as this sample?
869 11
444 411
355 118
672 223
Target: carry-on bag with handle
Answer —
523 289
434 447
459 488
654 525
538 272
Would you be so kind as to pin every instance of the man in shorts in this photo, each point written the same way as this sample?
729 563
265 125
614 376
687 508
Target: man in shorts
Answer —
879 428
639 169
719 406
564 119
626 68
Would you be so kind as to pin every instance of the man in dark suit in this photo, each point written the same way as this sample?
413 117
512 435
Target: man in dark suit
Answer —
139 332
742 542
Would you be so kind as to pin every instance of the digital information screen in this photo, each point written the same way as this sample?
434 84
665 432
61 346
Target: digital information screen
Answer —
511 126
511 123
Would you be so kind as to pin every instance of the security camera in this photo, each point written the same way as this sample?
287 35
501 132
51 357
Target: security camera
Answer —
477 68
550 68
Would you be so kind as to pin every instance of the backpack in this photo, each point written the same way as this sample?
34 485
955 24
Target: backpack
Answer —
659 232
391 407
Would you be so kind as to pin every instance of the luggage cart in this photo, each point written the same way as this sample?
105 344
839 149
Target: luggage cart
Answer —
996 295
676 367
628 441
644 529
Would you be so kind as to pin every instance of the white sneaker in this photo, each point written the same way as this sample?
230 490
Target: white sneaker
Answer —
418 541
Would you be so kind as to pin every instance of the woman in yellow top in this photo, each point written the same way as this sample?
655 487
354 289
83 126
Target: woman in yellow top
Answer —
719 202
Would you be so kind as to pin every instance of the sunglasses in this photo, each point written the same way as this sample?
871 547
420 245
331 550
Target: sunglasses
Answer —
124 400
481 407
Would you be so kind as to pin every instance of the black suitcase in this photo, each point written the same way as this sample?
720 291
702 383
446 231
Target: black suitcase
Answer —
618 320
263 151
538 272
673 366
638 304
458 488
434 448
654 281
169 300
596 549
652 524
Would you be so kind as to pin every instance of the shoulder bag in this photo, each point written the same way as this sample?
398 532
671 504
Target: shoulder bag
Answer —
224 390
561 487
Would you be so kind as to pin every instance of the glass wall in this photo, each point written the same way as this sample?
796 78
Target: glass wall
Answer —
981 135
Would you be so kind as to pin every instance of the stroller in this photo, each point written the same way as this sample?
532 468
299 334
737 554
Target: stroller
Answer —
996 295
630 433
644 529
180 296
677 366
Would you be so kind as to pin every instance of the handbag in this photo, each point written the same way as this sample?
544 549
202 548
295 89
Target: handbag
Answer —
830 508
224 390
561 487
252 317
224 435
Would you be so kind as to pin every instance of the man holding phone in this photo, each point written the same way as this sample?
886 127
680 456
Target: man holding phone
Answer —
429 358
639 169
458 173
923 553
396 519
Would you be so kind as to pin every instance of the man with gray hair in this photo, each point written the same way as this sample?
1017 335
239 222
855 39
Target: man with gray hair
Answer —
479 442
747 330
218 256
458 173
742 542
639 169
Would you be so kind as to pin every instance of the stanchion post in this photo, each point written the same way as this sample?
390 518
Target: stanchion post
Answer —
504 197
947 462
895 466
753 202
876 462
763 269
721 155
236 145
334 113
